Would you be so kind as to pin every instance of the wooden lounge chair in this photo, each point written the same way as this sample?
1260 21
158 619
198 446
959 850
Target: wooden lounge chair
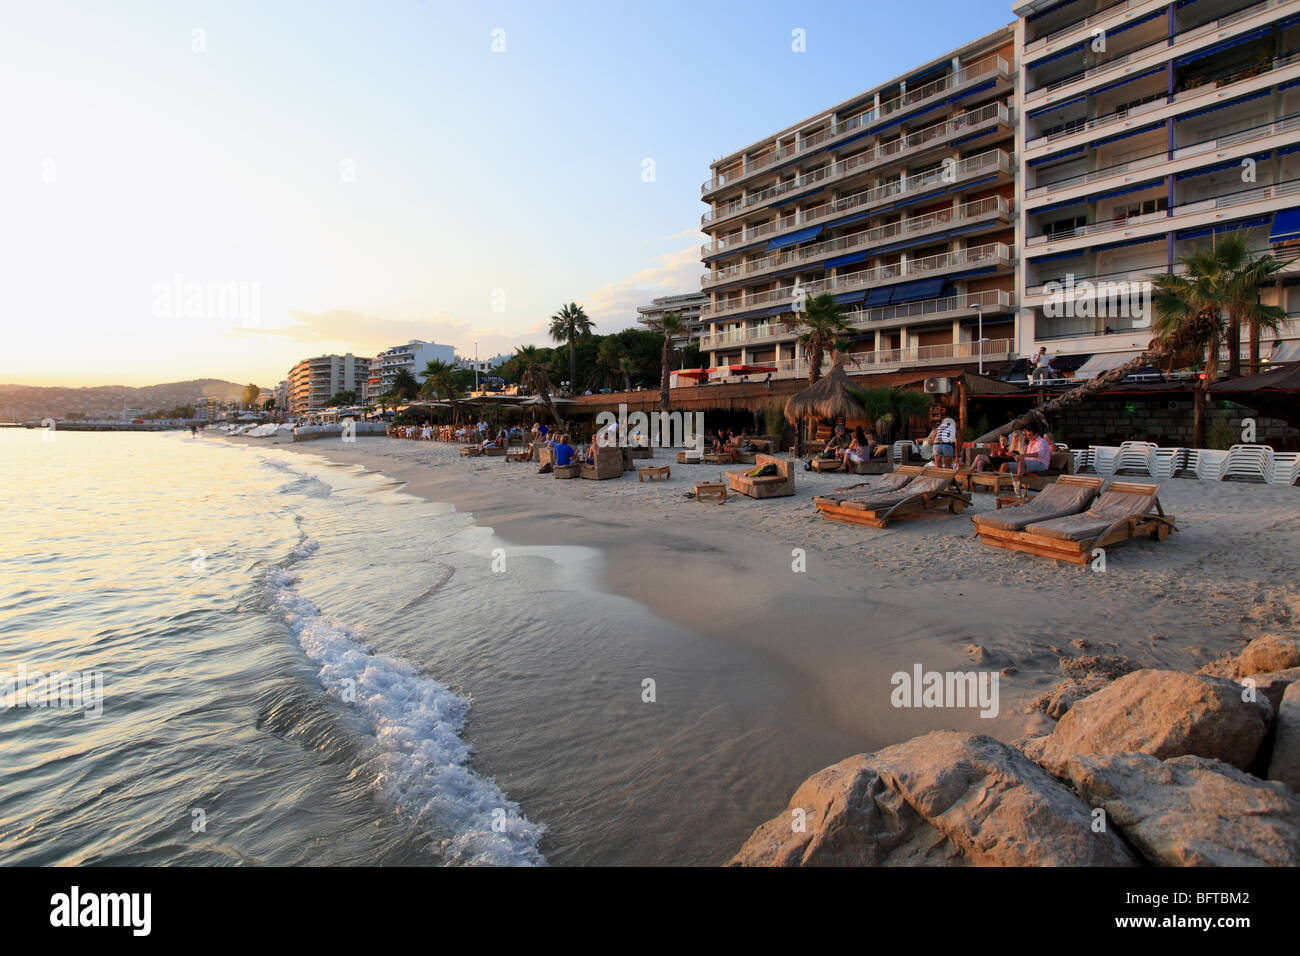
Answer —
1124 510
1068 495
933 488
1062 463
608 464
770 486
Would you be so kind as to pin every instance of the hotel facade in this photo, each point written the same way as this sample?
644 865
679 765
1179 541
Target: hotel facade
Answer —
314 381
1085 141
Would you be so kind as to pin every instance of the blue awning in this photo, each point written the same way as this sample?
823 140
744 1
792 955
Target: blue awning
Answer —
1132 132
1125 191
1220 47
971 273
845 142
986 85
1057 106
920 289
795 198
1225 105
1222 228
930 71
879 297
1072 254
1219 167
845 260
849 220
913 201
1128 79
1072 48
845 298
1145 240
1055 156
1286 226
972 185
803 235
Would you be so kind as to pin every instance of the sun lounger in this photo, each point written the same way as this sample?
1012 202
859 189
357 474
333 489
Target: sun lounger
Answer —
1124 510
1168 462
771 486
1248 461
1207 464
1068 495
1102 458
933 488
1286 468
1134 456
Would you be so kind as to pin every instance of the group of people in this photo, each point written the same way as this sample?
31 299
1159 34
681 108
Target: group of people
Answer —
1026 452
731 442
856 448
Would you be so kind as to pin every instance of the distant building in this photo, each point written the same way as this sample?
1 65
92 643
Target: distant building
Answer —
314 381
688 304
413 356
482 365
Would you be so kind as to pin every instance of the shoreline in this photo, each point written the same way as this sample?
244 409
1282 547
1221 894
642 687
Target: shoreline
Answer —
872 603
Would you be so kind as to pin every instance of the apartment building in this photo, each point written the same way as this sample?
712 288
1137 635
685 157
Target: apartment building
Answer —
314 381
1149 127
413 357
687 304
899 202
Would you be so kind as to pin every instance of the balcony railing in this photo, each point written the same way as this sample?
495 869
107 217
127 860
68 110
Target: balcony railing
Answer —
1160 49
994 158
1227 139
1034 46
995 350
990 252
994 112
980 68
1290 187
989 207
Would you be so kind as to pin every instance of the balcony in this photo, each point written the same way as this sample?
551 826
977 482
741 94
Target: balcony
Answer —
886 360
1212 149
1225 27
1112 16
995 159
993 253
991 208
1174 217
987 117
994 66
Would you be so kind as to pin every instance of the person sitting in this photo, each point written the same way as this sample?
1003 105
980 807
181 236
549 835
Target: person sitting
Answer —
542 431
859 450
837 444
1037 455
563 451
998 455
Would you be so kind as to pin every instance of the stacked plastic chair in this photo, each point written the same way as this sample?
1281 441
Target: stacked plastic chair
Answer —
1167 462
1248 461
1286 468
1135 456
1206 463
1103 458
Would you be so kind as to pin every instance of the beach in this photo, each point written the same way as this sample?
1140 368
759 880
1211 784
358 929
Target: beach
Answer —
872 602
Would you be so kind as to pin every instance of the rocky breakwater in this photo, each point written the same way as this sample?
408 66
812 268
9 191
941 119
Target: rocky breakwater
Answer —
1152 767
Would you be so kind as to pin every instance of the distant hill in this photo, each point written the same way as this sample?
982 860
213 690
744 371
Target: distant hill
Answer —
33 402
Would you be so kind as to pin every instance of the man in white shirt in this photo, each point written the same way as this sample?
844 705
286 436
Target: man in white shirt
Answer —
945 444
1041 366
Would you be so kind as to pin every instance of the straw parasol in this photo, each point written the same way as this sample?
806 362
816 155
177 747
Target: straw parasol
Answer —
829 398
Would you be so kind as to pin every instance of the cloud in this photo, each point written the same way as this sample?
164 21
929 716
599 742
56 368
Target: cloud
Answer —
613 306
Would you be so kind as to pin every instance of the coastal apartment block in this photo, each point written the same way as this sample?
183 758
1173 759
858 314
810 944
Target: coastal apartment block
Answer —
413 357
899 202
1148 128
314 381
687 305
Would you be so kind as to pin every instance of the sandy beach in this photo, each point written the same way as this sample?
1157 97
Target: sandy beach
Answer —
874 602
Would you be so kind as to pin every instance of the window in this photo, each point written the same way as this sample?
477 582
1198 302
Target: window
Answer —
1064 228
1143 208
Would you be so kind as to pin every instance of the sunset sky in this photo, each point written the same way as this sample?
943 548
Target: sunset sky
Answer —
366 173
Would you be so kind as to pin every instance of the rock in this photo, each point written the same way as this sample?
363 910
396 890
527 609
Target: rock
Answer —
1108 666
1082 643
1272 652
945 799
1192 811
1284 767
1031 746
1062 696
1165 714
1272 686
1223 667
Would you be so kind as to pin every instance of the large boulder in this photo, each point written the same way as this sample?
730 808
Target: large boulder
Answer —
1192 811
945 799
1271 652
1284 766
1165 714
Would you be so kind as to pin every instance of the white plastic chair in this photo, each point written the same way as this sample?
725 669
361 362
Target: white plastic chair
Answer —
1206 464
1286 468
1103 458
1082 459
1248 461
1167 462
1135 455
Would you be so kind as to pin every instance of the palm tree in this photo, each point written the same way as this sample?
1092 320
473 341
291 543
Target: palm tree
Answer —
825 331
891 408
405 385
672 325
627 365
1245 311
438 383
533 377
569 325
1188 316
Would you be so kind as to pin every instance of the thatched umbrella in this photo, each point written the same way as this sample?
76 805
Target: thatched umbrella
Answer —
827 399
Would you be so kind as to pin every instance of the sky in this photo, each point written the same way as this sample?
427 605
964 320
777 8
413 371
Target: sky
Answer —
194 190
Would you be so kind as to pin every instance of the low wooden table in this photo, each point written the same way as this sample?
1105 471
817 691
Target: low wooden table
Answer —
661 473
820 465
711 491
1011 500
994 481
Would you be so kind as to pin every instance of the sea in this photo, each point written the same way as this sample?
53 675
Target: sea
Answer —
221 654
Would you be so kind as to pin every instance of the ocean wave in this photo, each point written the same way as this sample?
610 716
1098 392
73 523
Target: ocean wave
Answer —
422 764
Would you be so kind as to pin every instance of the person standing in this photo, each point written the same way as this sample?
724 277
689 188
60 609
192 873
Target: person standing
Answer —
945 444
1041 365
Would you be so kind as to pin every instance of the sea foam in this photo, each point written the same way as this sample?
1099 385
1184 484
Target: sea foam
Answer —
422 763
